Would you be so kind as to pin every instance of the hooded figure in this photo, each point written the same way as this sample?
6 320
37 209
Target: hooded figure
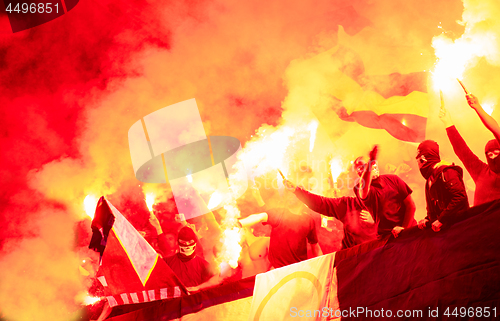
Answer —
486 175
191 269
187 241
492 150
428 157
444 189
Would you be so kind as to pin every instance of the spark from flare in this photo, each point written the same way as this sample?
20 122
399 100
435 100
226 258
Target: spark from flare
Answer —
231 237
231 246
268 153
89 204
336 168
85 299
215 200
454 57
313 127
190 178
150 201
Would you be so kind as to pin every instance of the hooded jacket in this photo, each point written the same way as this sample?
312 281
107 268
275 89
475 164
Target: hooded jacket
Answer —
445 192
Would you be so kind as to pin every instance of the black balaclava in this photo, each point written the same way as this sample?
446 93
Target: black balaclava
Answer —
430 150
494 164
187 243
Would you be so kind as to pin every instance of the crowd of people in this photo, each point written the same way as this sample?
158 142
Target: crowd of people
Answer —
382 207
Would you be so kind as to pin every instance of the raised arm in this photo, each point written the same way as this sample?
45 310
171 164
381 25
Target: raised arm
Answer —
487 120
367 174
471 162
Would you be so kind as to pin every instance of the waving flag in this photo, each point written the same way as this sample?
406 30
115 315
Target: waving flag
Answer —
131 271
395 102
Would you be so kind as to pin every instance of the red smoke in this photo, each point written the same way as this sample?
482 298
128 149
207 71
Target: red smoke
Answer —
71 89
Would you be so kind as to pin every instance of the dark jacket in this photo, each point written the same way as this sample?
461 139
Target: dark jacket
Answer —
445 193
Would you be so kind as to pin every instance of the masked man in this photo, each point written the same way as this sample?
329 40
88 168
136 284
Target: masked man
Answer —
486 176
387 197
193 271
444 189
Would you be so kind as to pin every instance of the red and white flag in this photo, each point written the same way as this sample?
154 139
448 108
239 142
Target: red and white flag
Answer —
131 271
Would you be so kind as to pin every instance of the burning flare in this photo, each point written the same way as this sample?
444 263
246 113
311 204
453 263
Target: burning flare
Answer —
267 154
336 168
313 127
231 246
89 204
85 299
214 200
150 201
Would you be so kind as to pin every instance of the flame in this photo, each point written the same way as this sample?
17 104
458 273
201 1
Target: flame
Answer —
455 57
313 126
231 246
403 122
150 201
85 299
231 237
91 300
190 178
89 204
215 200
336 168
268 153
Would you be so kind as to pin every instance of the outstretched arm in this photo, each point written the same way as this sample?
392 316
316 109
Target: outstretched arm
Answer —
324 205
253 219
367 174
487 120
213 281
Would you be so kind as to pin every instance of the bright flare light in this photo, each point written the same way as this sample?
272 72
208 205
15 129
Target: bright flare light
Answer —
150 201
190 178
215 200
91 300
231 246
454 57
268 153
89 204
313 126
336 168
85 299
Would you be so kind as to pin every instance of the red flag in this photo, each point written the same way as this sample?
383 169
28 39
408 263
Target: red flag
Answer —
131 271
